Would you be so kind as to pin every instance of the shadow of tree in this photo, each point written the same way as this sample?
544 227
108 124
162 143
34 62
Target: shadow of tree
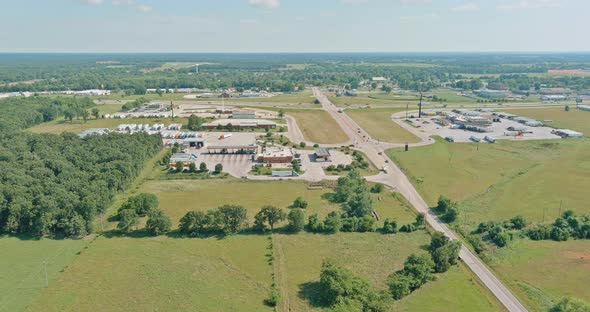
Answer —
311 292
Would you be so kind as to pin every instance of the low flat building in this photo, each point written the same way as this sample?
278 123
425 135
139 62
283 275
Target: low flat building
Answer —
584 108
276 155
186 159
322 154
236 144
284 173
193 142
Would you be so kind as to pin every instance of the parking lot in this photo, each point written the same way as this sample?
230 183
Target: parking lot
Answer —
499 131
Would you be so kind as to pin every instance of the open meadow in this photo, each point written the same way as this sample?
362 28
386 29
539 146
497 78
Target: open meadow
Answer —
495 182
373 256
318 126
377 122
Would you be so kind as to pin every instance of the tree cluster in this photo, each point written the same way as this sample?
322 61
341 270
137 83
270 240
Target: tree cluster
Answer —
565 227
447 209
224 220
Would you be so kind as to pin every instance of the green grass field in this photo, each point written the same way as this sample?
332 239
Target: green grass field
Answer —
373 256
22 270
499 181
377 122
536 179
319 127
163 274
77 126
574 119
542 272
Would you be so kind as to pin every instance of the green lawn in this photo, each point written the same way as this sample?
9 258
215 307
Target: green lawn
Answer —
77 126
377 122
373 256
574 119
319 127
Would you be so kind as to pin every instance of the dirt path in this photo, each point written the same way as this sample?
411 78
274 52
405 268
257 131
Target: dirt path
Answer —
281 275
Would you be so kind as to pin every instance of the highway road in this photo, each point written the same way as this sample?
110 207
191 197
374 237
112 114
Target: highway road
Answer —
395 178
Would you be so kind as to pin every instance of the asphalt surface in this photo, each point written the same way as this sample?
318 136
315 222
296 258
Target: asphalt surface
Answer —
397 179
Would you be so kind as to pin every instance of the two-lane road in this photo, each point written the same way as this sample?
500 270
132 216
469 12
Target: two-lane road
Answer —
398 180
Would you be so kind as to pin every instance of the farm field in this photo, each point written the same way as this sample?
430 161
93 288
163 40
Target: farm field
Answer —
377 122
375 257
77 126
574 119
319 127
536 179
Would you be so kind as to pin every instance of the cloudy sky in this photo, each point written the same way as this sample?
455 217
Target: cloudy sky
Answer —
293 25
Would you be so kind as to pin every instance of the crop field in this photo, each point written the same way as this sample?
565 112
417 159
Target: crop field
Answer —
77 126
377 122
536 179
574 119
542 272
373 256
319 127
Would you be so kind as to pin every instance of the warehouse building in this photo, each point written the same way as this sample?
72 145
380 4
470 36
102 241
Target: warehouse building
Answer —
186 159
276 155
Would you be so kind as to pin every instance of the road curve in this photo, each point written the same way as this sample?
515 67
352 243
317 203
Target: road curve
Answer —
398 180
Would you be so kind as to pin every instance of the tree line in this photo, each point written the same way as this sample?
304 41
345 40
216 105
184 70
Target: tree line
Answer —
55 185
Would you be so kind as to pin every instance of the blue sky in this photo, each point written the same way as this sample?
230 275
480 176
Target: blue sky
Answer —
293 25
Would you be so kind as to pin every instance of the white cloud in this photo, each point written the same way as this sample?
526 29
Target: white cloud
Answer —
530 4
265 4
416 18
467 7
143 8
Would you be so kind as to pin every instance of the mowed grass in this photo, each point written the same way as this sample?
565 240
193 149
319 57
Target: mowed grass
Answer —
542 272
163 274
77 126
377 122
22 269
373 256
575 119
319 127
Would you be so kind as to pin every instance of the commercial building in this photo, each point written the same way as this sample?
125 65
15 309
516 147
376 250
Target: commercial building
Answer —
193 143
240 124
322 154
492 94
236 144
284 173
276 155
554 97
186 159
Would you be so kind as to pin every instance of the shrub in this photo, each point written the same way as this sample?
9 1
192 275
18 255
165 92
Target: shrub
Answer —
296 220
158 223
377 188
389 226
299 203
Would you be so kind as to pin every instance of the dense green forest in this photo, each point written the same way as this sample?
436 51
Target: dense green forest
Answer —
56 184
277 72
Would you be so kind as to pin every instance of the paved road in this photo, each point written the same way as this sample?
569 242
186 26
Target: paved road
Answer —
398 180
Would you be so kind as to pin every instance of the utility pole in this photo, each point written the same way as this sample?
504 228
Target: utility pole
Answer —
420 104
172 108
